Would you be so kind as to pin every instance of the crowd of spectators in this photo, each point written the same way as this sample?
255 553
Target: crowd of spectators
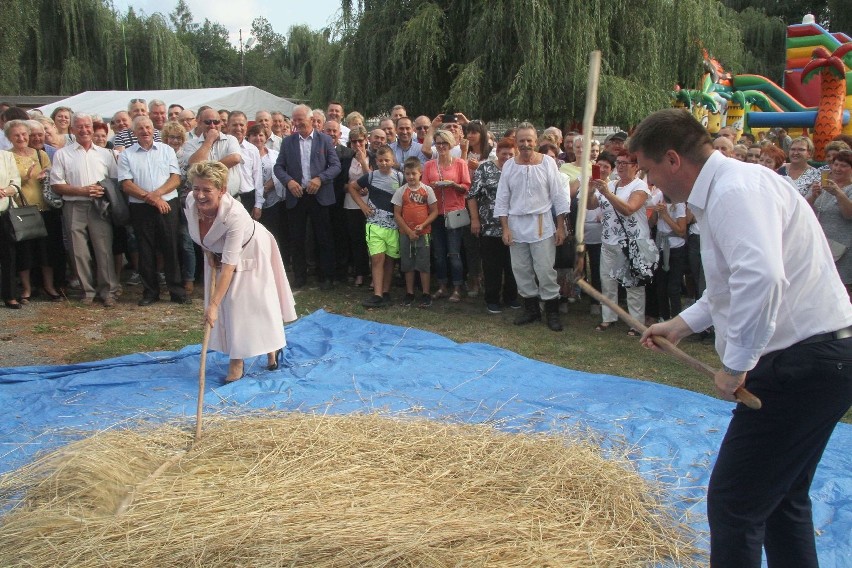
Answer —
475 212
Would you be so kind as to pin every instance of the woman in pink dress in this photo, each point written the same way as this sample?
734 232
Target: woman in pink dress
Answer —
252 299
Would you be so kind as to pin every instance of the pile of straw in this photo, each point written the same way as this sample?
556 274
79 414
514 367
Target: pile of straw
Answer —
359 490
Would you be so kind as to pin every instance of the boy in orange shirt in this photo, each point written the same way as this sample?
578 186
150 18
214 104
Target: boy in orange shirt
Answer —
415 207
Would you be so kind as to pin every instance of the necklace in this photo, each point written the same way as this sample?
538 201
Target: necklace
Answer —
206 217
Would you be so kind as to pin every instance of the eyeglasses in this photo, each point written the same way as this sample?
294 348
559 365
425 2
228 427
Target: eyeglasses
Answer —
134 101
175 138
212 122
357 141
441 143
623 163
421 128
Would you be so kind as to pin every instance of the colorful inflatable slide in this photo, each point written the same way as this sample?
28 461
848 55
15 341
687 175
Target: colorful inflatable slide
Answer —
816 97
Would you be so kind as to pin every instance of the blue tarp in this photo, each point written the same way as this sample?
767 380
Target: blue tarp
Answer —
340 365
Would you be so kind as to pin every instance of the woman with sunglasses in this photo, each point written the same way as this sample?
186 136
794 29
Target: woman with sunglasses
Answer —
622 204
450 178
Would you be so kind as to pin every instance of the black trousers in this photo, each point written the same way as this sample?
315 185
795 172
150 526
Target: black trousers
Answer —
307 207
497 271
271 218
8 264
670 283
155 233
758 492
356 229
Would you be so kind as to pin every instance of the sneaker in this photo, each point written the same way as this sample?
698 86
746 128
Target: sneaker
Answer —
515 304
373 302
74 284
493 308
426 301
134 280
161 278
409 299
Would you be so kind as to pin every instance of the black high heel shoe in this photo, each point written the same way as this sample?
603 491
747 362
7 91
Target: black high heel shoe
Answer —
53 297
279 356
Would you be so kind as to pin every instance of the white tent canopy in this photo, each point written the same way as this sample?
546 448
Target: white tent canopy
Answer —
106 103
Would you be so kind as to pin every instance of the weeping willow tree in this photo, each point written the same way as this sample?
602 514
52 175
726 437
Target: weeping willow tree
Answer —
529 58
74 45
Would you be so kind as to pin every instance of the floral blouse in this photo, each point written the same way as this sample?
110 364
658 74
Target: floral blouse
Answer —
484 190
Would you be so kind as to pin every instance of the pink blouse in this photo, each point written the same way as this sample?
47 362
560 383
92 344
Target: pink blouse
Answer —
449 199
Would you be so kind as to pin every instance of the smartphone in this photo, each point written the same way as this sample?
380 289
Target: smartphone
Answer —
824 178
448 117
596 171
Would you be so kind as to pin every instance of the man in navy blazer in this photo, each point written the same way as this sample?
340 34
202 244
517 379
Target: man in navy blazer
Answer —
307 166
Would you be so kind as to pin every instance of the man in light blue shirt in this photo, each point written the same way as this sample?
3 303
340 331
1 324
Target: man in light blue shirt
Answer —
406 146
149 174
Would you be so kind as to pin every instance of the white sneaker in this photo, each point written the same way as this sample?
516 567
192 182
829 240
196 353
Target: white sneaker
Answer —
134 280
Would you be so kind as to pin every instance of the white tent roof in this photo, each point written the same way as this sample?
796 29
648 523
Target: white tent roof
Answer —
106 103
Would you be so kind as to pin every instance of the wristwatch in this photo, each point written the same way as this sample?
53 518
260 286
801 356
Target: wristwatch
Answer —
732 372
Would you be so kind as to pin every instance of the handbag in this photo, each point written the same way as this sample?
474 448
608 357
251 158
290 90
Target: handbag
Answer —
642 257
51 198
837 249
25 222
457 219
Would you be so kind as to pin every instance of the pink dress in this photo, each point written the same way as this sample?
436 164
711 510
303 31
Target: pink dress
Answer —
259 300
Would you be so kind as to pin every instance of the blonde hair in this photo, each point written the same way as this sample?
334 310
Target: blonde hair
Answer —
445 136
173 128
214 172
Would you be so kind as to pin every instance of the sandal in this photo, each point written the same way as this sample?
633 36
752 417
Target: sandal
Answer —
603 326
441 293
633 333
454 297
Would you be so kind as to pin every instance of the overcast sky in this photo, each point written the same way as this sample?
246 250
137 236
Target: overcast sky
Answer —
236 14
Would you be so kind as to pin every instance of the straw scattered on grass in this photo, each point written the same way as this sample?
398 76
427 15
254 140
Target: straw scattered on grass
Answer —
292 489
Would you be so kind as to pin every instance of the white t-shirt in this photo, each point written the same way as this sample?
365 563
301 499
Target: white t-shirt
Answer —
636 224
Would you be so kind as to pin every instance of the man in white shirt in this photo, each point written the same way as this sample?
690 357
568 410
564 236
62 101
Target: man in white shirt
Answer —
280 129
782 320
149 175
251 172
215 145
334 112
529 189
77 169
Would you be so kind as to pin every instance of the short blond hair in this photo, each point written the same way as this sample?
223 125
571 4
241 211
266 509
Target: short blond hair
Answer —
173 128
212 171
445 136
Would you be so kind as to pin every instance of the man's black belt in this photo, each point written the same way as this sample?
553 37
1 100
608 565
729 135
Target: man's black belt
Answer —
829 336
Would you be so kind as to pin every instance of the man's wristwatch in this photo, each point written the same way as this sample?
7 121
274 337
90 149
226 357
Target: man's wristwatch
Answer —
732 372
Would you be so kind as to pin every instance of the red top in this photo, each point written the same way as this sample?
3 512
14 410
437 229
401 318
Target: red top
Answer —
449 198
415 209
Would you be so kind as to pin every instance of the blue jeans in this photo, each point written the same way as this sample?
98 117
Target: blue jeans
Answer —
446 245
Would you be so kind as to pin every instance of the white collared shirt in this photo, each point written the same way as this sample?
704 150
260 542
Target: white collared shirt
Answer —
305 146
149 169
771 280
274 142
251 172
75 166
224 146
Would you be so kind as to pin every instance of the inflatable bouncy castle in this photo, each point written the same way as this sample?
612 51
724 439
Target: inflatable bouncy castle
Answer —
815 99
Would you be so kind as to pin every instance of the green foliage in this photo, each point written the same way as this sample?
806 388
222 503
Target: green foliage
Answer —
529 59
75 45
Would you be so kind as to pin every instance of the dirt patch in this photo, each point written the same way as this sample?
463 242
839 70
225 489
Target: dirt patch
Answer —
47 333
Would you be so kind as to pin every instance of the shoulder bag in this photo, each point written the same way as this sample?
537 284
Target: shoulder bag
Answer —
642 258
53 200
24 222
